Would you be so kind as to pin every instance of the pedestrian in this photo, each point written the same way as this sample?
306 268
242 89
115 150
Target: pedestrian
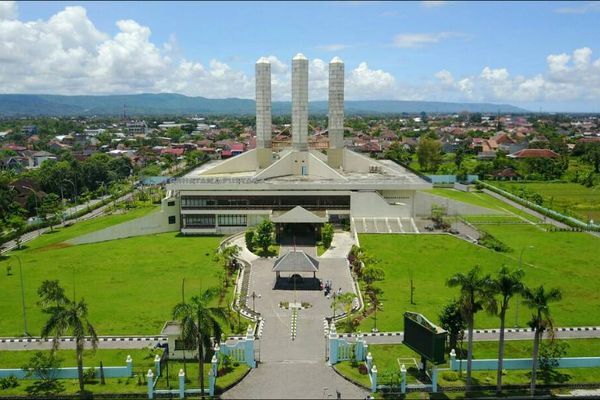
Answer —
339 291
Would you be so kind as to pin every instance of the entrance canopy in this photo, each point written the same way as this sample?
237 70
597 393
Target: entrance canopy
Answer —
296 261
298 215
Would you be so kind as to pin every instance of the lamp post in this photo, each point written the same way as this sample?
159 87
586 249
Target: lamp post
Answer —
520 264
75 190
22 295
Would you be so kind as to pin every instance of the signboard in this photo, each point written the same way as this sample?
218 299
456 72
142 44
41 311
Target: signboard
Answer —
424 337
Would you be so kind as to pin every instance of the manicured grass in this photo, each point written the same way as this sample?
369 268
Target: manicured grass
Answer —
320 249
347 369
482 200
131 285
272 252
574 197
567 260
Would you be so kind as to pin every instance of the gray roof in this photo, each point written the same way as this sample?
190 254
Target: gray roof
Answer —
299 215
296 261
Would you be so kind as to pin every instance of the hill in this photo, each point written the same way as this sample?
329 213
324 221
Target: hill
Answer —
170 103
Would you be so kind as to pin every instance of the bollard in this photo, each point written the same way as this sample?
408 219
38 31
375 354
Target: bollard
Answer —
150 377
157 365
434 379
403 383
181 384
374 379
369 361
129 362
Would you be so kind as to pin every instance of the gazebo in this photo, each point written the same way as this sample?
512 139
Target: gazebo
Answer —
296 262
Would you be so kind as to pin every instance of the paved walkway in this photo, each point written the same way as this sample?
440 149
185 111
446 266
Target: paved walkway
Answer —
292 361
340 246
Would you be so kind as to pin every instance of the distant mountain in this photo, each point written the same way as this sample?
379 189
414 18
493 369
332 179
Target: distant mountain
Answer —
169 103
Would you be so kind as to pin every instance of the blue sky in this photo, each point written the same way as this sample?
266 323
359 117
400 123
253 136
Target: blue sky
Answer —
532 54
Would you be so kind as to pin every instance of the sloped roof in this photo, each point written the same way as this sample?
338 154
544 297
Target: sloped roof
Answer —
299 215
296 261
534 153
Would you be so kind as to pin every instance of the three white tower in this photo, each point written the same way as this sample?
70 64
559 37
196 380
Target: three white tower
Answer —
300 109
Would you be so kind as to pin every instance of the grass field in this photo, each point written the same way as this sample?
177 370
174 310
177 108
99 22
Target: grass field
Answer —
566 260
574 197
130 285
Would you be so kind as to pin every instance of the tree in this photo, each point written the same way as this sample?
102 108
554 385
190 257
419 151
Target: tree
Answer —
43 367
472 293
592 155
249 239
52 296
72 317
264 235
372 274
50 209
429 154
17 224
226 257
344 302
374 293
398 153
538 299
199 321
505 284
549 360
451 319
327 235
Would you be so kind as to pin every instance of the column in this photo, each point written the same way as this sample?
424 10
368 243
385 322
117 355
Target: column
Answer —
300 102
434 379
157 365
374 379
403 377
181 384
263 112
150 377
129 362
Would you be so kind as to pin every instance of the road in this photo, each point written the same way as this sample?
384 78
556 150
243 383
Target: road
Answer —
10 245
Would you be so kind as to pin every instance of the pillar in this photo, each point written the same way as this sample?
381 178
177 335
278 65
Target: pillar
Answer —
453 360
333 345
336 113
129 362
403 379
214 364
181 384
249 348
211 383
157 365
434 379
300 102
263 112
369 361
150 377
374 379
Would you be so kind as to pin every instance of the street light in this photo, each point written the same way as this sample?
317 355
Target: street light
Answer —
75 190
22 294
520 264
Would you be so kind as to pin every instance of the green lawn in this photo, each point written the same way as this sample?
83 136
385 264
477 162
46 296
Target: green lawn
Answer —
192 378
482 200
574 197
567 260
130 285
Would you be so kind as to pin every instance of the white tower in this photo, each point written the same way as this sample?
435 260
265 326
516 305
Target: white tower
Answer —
336 112
263 112
300 102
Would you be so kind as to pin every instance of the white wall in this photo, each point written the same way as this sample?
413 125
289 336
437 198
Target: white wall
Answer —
424 201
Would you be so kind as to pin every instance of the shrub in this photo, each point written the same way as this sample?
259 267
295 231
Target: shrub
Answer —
9 382
249 237
327 235
492 243
362 369
450 376
89 375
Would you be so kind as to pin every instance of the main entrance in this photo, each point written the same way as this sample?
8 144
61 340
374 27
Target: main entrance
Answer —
298 226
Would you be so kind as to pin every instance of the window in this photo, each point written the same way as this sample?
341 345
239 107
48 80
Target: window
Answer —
172 219
232 220
171 203
184 345
200 220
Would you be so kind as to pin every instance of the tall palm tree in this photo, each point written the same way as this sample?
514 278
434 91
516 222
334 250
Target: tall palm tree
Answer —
538 299
199 322
472 295
71 317
52 296
505 284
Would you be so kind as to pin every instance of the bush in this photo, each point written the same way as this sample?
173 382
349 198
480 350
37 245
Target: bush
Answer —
9 382
249 237
327 235
362 369
492 243
450 376
89 375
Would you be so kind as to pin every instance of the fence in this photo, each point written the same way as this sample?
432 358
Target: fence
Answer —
451 179
71 372
523 363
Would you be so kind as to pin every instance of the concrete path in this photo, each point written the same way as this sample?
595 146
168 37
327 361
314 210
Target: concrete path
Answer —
340 246
292 350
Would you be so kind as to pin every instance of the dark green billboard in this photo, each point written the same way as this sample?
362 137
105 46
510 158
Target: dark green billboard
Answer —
425 338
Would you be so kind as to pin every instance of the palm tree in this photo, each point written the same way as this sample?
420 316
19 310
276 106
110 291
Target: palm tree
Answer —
538 299
71 317
472 293
506 284
199 321
52 296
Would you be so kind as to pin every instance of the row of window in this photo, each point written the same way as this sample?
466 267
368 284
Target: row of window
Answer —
209 220
198 202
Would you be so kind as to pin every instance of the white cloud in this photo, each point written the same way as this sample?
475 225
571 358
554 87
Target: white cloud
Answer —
433 3
410 40
579 8
8 10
